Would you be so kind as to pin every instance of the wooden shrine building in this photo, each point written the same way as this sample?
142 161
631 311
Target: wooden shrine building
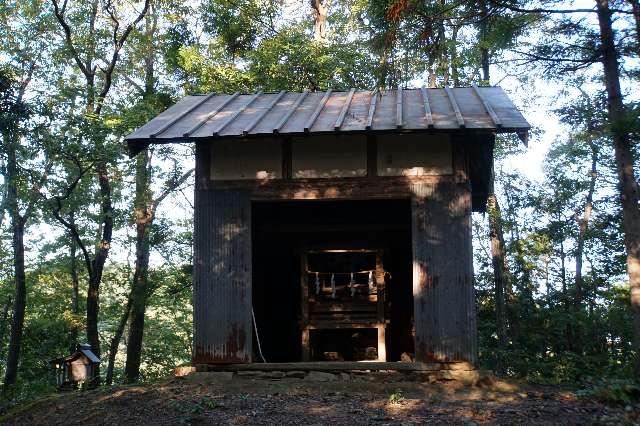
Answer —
340 221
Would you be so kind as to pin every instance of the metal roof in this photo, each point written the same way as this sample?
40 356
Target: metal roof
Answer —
80 350
86 351
239 115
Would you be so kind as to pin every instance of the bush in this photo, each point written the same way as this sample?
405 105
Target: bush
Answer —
613 392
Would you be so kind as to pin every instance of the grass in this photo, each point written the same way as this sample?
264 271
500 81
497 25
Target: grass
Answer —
397 396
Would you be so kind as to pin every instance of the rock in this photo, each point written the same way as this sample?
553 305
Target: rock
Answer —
249 373
466 377
320 376
370 353
332 356
295 374
183 371
272 375
210 377
406 357
488 381
345 377
459 366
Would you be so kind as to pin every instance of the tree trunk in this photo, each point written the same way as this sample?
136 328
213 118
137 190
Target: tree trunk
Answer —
85 63
320 9
75 285
583 224
563 269
3 323
20 298
144 215
512 306
455 74
484 52
102 252
496 236
499 274
635 8
624 162
115 341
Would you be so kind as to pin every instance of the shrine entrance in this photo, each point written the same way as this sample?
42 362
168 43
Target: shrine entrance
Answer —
332 280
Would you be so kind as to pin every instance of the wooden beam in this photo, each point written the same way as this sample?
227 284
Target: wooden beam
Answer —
455 107
399 108
494 117
372 109
427 108
263 113
344 366
181 116
317 111
330 228
211 114
345 108
360 188
236 114
289 113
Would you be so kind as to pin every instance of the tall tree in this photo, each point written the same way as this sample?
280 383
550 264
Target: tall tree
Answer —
628 185
586 47
97 84
145 204
14 111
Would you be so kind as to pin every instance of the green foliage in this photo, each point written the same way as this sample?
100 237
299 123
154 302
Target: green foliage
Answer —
553 337
291 61
397 397
614 392
238 24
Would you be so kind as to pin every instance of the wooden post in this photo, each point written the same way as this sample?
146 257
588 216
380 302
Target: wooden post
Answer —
380 286
304 307
382 342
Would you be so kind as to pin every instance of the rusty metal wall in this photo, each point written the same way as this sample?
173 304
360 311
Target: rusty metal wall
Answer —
444 299
222 272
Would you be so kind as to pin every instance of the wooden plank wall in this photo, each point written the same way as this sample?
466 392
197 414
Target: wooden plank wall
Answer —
444 300
222 271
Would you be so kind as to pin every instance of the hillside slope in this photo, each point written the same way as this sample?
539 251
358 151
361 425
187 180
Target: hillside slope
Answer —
206 398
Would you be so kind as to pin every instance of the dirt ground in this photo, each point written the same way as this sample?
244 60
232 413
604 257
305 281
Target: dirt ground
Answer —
209 399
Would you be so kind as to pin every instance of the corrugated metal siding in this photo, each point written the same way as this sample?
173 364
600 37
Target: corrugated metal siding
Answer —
222 277
444 300
240 115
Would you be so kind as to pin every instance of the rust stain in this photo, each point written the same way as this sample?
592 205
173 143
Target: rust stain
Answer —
425 279
202 356
421 352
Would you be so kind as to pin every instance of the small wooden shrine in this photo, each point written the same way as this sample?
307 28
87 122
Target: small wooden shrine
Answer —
76 369
336 226
343 301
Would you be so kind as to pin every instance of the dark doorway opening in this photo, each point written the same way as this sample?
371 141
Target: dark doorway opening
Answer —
283 230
